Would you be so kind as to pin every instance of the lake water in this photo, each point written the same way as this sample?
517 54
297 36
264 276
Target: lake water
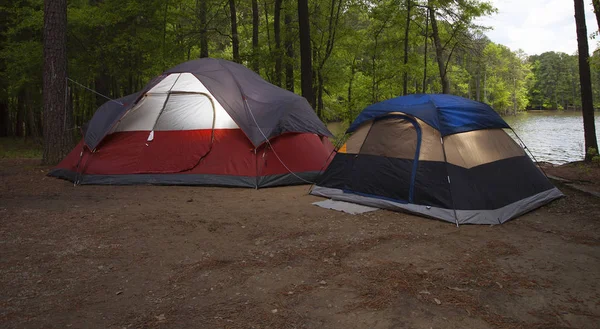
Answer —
551 136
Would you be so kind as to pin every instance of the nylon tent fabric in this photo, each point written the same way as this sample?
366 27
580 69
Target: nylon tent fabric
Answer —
275 109
177 131
447 113
105 117
398 157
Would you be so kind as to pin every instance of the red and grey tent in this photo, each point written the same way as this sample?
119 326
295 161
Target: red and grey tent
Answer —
203 122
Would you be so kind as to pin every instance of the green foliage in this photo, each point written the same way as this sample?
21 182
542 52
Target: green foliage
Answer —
555 81
593 153
116 46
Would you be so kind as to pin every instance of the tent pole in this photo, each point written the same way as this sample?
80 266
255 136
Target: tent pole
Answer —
266 139
75 181
256 166
449 181
166 101
528 150
335 148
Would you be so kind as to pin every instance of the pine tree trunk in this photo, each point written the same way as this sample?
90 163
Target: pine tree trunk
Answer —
305 53
585 79
58 139
4 118
203 28
425 52
574 89
350 104
406 30
478 84
277 36
235 41
320 94
514 94
255 23
268 68
164 38
485 98
289 48
439 52
20 119
40 123
30 125
596 4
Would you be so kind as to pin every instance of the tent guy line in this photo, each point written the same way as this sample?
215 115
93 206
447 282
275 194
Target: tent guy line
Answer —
95 92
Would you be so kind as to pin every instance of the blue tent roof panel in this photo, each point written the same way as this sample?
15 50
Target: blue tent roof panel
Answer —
447 113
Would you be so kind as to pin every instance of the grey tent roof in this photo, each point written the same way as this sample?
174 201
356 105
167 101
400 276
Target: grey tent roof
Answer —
245 95
105 117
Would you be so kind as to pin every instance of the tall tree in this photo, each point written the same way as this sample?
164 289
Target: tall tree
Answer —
235 40
203 29
255 22
426 41
586 81
4 109
277 36
305 53
58 139
439 51
289 51
406 30
322 55
596 4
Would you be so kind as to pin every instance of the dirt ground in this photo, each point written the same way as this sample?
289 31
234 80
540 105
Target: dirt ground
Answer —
582 174
203 257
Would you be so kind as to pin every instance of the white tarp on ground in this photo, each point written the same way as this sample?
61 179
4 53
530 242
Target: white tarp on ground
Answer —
347 207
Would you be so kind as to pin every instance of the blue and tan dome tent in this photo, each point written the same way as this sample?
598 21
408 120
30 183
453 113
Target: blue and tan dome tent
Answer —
441 156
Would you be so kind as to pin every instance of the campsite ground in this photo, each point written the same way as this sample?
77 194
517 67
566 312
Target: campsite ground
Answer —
198 257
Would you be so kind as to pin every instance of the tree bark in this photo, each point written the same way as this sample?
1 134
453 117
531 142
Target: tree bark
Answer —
4 118
305 53
289 48
350 104
203 29
425 53
235 41
31 123
164 38
320 94
334 15
514 96
478 85
585 81
439 52
255 23
596 4
406 30
58 139
277 36
485 98
20 118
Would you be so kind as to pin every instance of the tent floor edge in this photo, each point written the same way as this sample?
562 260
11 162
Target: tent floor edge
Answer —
483 216
186 179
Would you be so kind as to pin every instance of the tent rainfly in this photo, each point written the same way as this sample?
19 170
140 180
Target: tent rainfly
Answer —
203 122
441 156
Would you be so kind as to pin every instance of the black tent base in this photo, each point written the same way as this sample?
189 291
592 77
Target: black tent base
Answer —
187 179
